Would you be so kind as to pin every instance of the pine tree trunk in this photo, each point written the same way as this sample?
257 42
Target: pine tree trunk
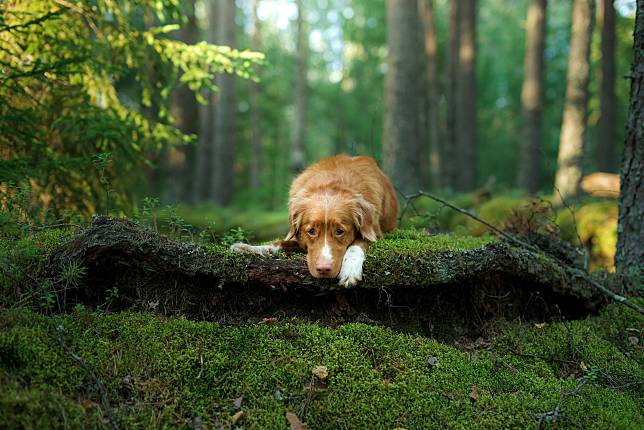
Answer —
401 117
532 97
433 123
606 146
630 231
466 121
450 170
185 110
223 157
573 127
255 114
204 152
298 152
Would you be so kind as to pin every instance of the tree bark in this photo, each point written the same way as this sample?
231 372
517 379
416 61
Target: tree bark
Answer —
204 152
223 156
255 114
630 230
401 131
185 110
466 120
450 169
298 151
431 64
532 97
606 146
573 127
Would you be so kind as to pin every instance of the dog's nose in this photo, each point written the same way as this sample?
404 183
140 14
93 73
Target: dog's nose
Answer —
323 268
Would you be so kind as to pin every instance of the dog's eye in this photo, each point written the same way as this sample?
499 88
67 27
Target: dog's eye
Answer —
339 232
311 232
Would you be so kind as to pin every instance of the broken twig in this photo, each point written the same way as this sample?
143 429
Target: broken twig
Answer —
99 385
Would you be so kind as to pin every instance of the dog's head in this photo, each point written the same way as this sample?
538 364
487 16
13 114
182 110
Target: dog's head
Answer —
325 223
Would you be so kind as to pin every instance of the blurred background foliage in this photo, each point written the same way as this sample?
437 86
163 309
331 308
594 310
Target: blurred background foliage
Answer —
90 121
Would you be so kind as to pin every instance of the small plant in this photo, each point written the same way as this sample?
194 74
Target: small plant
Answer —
102 162
178 226
72 274
47 296
148 214
208 235
235 235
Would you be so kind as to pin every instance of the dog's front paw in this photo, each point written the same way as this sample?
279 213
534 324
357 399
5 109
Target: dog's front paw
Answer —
351 271
264 250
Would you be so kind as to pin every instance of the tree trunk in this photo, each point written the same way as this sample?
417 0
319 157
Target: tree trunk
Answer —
298 152
255 113
185 110
450 170
573 127
223 156
466 120
204 152
630 230
606 146
433 123
532 97
401 117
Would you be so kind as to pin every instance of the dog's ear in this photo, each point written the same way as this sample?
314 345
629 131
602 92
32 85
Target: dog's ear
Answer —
364 214
295 212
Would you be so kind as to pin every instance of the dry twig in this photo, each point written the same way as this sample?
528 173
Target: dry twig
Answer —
99 385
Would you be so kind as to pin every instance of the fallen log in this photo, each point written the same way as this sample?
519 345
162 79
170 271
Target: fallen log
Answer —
409 267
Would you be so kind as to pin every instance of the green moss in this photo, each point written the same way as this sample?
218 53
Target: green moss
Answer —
595 224
163 372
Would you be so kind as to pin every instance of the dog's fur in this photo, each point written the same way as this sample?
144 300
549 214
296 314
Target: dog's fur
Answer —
336 207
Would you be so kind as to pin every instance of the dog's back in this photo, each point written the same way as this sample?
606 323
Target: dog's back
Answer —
359 174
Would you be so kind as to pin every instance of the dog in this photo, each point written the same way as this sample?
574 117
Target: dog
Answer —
336 208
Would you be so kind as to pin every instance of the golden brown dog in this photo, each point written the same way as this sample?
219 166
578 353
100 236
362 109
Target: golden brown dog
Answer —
336 207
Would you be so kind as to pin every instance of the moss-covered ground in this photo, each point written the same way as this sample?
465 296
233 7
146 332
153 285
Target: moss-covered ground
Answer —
168 373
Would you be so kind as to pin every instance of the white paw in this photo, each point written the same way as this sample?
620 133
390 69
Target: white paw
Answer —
264 250
351 271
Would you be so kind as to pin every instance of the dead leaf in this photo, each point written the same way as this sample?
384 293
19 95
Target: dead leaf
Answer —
634 340
474 394
238 402
269 321
238 415
320 372
295 422
583 366
540 325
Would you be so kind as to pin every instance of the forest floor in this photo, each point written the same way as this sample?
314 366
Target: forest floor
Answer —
472 333
160 372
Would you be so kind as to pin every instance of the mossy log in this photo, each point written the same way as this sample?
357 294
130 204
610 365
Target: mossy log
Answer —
115 248
442 285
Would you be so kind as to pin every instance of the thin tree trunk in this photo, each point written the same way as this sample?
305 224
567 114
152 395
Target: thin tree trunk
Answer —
255 114
204 152
433 124
223 159
630 231
573 127
466 121
450 170
298 152
401 117
532 97
185 110
204 149
606 146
